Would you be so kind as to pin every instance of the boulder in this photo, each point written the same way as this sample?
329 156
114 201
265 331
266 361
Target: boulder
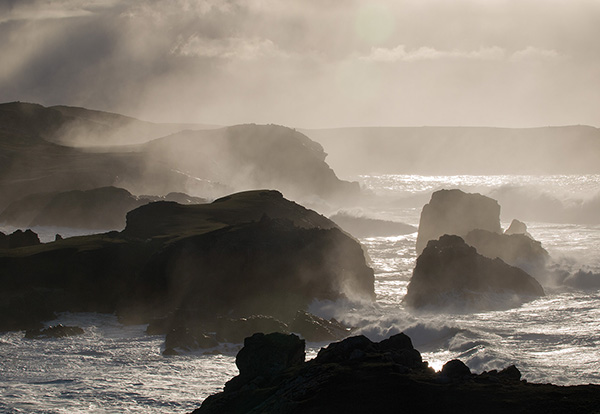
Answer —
187 339
451 275
455 369
515 249
456 212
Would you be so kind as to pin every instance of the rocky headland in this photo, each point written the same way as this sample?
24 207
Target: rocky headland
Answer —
251 253
357 375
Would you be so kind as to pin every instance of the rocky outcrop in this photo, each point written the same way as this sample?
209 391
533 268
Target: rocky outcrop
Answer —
451 275
99 208
456 212
359 376
185 333
58 331
18 238
370 227
515 249
251 253
517 227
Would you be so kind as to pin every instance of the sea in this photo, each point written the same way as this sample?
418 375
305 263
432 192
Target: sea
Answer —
113 368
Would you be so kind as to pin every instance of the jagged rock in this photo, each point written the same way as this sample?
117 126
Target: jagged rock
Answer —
58 331
514 249
517 227
19 238
450 274
456 212
365 377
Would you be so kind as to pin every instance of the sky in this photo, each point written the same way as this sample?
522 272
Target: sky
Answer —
309 63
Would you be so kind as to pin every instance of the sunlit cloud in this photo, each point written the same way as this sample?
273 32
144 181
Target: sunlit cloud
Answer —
400 53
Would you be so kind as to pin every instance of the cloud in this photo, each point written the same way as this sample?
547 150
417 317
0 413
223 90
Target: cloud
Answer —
227 48
26 10
532 53
401 54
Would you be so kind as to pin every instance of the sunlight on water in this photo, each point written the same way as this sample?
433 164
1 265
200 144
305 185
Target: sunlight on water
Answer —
114 368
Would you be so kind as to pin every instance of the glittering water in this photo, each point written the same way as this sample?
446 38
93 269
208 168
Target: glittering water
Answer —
115 369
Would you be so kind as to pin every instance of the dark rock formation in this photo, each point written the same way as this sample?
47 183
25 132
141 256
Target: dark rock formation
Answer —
514 249
456 212
359 376
246 254
450 274
19 238
264 356
98 208
186 333
369 227
58 331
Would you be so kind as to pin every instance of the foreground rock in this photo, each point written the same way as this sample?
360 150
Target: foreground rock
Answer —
450 274
361 376
252 253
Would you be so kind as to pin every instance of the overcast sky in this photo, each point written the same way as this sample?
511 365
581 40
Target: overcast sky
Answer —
309 63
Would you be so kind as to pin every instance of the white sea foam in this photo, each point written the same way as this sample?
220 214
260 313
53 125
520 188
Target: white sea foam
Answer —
115 368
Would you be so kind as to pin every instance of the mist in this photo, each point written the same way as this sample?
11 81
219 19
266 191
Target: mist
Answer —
309 64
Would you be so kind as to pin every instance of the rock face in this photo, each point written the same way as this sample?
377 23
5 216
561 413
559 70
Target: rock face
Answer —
369 227
360 376
515 249
18 238
451 275
246 254
456 212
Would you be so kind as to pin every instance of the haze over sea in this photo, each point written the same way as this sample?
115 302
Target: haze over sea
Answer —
116 368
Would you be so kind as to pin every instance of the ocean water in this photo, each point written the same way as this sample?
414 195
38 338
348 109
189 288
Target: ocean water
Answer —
114 368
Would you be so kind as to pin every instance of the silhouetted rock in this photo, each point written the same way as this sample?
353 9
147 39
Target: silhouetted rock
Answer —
450 274
361 376
455 369
369 227
456 212
187 339
517 227
264 356
19 238
515 249
251 253
58 331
